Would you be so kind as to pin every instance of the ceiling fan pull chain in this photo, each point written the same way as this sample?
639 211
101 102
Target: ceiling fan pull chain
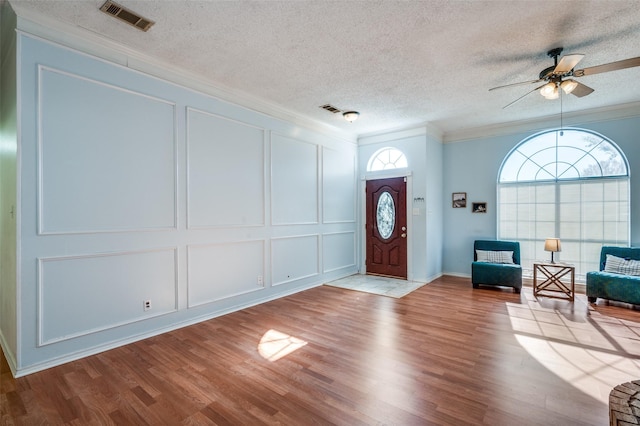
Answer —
561 127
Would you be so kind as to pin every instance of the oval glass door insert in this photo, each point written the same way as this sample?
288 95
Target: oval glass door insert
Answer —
386 215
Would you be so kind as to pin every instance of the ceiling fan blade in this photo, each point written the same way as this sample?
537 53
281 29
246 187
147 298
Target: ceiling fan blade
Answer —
515 84
612 66
529 92
581 90
567 63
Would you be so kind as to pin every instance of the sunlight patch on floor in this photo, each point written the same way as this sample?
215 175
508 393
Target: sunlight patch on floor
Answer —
593 355
275 345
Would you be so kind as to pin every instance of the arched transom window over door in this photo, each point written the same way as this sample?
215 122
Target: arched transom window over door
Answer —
387 159
572 184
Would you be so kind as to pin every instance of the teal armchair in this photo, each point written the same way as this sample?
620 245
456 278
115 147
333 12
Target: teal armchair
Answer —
612 286
496 271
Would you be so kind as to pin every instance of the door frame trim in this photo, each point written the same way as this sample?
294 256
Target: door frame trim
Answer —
363 216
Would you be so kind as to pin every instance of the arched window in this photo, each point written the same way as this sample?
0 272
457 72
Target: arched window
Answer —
386 159
572 184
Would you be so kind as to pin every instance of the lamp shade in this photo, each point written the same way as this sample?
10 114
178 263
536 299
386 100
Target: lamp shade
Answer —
552 244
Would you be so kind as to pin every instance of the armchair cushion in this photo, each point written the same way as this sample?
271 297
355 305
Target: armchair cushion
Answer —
619 265
494 256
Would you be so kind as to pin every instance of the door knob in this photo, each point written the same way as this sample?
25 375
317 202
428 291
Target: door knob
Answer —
404 228
403 235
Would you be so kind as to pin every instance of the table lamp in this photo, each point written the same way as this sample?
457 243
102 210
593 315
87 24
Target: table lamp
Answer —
552 245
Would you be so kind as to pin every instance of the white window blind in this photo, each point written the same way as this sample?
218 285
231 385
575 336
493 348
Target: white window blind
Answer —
584 214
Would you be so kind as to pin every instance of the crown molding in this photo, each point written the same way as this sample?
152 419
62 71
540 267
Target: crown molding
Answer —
97 45
608 113
424 129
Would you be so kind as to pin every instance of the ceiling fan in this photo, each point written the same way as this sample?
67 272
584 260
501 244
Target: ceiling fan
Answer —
559 76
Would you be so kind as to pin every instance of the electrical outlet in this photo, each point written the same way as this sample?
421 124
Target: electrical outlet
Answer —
260 280
146 305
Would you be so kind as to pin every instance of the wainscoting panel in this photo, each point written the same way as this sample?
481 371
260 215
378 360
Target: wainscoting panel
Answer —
338 186
225 172
294 176
294 258
107 157
85 294
134 188
338 250
218 271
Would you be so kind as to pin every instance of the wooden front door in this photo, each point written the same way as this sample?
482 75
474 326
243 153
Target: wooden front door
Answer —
386 227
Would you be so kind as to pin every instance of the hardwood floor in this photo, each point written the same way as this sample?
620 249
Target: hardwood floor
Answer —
445 355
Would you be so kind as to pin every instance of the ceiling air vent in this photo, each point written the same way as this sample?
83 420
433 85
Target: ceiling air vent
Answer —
126 15
330 108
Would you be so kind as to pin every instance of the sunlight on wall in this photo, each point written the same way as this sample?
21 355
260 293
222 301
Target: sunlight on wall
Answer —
586 355
275 345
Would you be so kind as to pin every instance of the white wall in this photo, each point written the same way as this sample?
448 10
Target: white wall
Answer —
8 204
424 156
472 166
136 189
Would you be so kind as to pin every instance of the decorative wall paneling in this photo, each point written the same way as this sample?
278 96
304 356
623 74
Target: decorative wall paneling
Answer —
337 249
78 295
102 168
338 187
225 161
294 176
294 258
219 271
136 189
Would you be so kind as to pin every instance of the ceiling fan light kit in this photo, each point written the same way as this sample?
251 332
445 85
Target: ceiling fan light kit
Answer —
568 85
559 75
549 91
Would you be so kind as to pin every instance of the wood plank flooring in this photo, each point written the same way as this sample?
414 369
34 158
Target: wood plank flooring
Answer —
444 355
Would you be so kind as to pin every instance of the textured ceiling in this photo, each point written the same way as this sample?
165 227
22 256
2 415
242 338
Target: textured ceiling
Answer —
399 63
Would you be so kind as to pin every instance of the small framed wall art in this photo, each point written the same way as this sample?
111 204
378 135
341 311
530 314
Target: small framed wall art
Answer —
478 207
459 200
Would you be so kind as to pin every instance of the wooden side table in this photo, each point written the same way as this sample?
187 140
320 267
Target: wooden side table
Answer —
559 280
